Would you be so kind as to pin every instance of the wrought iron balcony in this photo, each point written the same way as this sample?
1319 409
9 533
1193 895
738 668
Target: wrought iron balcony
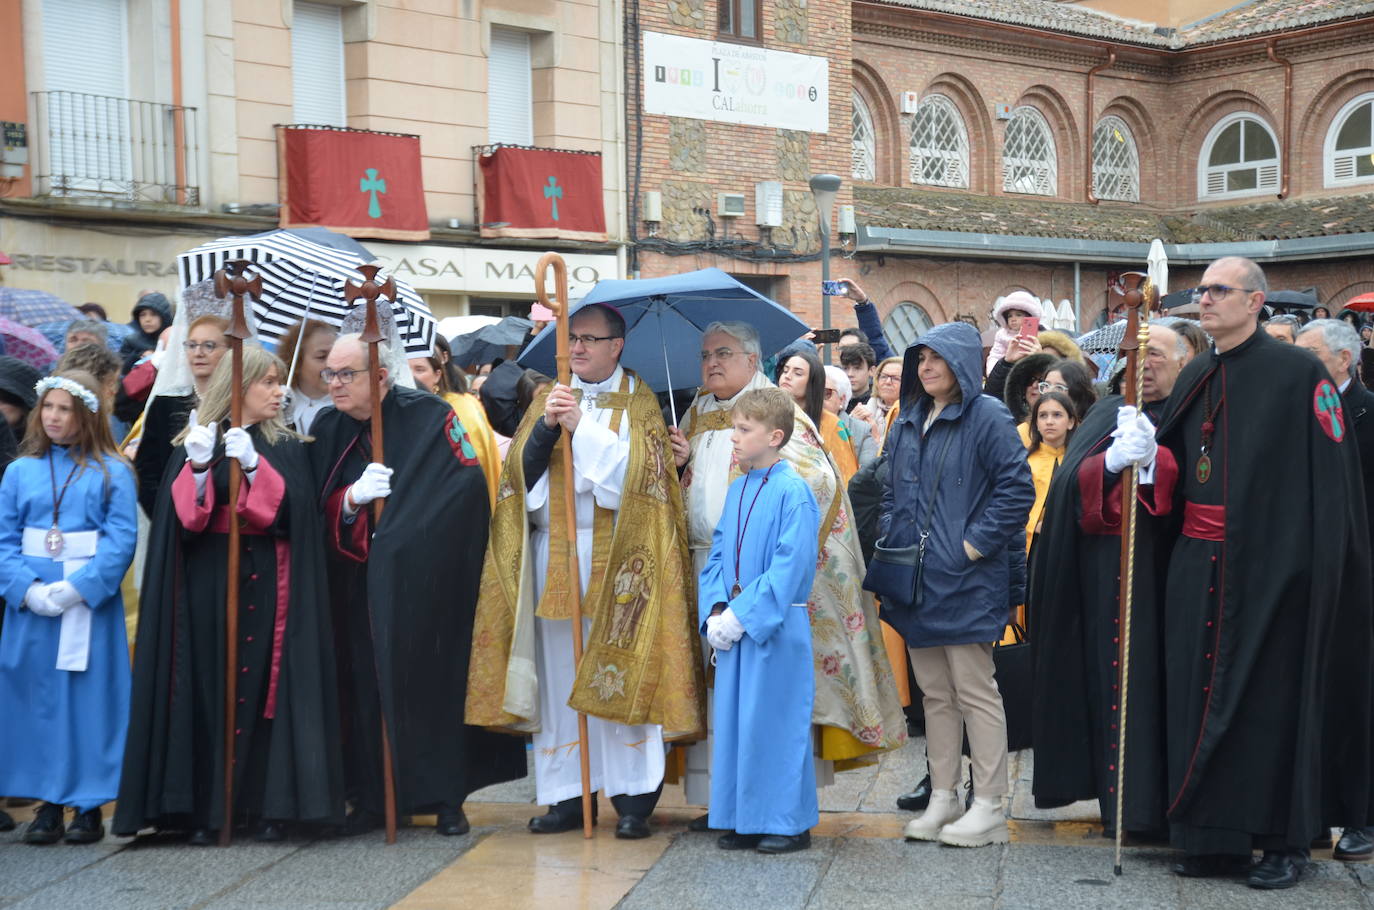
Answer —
126 151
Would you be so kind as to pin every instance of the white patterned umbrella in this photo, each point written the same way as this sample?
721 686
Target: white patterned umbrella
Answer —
300 275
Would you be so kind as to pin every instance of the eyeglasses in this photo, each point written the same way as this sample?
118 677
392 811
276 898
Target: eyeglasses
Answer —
1045 387
890 377
344 376
721 354
588 340
208 347
1216 291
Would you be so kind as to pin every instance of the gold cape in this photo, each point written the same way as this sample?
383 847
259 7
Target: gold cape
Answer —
641 662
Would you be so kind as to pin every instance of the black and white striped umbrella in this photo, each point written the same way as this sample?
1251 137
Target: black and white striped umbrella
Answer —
300 275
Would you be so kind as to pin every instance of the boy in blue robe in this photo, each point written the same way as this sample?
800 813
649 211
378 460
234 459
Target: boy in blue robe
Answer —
752 604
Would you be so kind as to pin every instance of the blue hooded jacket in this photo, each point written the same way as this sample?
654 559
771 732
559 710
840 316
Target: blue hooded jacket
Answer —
983 495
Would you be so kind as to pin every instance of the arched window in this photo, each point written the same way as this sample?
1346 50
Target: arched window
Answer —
864 142
1350 143
907 322
939 144
1029 162
1239 158
1116 166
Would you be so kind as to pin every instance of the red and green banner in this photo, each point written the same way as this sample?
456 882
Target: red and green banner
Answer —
356 182
531 192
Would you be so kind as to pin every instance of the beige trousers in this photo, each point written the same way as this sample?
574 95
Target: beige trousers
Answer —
961 691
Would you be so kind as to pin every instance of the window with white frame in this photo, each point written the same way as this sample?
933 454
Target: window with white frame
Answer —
317 65
863 144
1116 166
510 95
1350 143
1029 161
939 144
907 322
1240 157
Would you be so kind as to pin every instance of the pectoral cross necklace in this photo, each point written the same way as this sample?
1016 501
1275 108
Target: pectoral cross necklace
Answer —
741 528
1209 424
53 541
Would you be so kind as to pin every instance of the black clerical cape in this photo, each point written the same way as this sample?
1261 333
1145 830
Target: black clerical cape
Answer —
1267 612
404 594
1073 608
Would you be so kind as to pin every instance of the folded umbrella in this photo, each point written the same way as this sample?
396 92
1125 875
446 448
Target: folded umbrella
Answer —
27 344
28 306
665 318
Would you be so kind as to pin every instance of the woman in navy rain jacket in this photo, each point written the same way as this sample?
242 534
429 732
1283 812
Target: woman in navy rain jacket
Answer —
954 455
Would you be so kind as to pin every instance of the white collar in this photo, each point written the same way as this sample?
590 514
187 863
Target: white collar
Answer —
609 384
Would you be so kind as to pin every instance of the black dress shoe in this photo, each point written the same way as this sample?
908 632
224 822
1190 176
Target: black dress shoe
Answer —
785 843
361 821
737 841
452 824
1355 846
701 823
6 821
46 827
269 832
1211 865
86 828
917 800
203 837
1278 869
564 816
632 827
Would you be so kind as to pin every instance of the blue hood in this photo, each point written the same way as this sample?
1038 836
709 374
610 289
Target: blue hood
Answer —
962 348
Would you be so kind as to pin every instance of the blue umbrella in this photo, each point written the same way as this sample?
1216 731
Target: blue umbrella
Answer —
664 319
28 306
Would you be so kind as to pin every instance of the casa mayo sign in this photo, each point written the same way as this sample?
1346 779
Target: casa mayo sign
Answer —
478 270
735 83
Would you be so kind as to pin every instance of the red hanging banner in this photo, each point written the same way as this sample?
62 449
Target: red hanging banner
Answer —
531 192
357 182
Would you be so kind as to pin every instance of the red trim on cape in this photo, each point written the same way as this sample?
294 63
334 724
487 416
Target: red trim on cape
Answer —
349 539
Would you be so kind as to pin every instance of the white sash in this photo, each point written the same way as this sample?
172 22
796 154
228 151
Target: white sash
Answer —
78 548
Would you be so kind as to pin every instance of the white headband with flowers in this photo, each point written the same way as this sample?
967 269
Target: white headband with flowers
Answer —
74 389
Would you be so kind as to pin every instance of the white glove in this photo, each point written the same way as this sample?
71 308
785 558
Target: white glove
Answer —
238 444
714 637
36 599
200 444
156 358
63 594
374 484
729 627
1134 442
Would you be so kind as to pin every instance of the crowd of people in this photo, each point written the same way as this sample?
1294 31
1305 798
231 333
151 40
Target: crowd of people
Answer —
763 586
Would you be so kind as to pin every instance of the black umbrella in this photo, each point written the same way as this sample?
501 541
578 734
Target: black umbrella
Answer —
490 341
1177 298
1293 300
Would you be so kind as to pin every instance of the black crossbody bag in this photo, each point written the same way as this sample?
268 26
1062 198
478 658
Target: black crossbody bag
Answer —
894 573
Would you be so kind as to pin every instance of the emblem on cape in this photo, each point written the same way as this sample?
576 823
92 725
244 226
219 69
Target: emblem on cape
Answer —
608 682
1326 404
458 440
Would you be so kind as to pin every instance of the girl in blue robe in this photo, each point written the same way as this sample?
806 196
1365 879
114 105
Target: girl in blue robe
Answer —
752 605
67 535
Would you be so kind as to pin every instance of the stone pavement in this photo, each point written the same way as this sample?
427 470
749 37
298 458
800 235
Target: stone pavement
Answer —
1057 860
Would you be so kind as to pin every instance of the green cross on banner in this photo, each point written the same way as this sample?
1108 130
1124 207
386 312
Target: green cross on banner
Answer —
553 192
371 184
1329 405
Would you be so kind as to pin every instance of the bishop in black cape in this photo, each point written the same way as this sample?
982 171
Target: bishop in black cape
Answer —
1267 611
404 595
1073 609
287 741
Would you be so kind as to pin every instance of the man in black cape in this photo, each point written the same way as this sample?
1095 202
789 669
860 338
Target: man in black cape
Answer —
1073 610
1267 611
404 592
288 765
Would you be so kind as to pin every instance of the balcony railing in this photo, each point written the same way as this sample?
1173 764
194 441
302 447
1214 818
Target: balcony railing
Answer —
102 147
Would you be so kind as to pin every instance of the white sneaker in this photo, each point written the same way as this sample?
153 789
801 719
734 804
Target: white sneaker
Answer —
944 808
985 823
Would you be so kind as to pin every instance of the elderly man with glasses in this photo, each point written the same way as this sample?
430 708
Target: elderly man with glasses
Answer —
856 709
1265 605
637 680
404 584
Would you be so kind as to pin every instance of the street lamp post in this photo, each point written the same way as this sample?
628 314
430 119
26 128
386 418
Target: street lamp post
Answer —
825 187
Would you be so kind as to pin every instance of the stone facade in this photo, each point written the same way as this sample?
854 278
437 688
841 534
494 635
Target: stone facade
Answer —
687 13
